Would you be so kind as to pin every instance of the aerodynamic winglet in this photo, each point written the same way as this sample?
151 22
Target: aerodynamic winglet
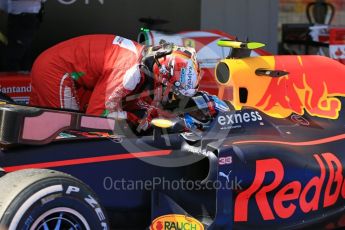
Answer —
239 44
239 49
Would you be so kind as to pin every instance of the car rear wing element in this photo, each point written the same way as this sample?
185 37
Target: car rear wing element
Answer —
37 126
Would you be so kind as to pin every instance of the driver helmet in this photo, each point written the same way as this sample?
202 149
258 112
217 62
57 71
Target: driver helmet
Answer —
178 71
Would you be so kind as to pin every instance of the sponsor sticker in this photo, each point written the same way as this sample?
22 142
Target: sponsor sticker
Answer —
225 160
15 89
291 197
191 78
236 120
299 120
189 43
176 221
125 43
225 175
183 75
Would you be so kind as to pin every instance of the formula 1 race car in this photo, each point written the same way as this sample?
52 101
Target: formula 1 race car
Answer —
261 163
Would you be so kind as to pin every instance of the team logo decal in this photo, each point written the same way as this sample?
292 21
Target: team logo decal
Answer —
175 221
320 192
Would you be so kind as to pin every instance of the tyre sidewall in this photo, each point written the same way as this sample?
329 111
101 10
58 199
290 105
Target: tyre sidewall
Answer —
54 192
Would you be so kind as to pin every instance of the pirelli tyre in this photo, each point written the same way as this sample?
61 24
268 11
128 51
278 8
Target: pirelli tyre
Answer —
36 199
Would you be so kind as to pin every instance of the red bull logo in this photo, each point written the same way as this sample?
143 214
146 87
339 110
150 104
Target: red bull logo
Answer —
313 85
321 191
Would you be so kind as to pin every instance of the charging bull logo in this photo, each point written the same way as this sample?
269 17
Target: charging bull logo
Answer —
176 222
320 192
312 85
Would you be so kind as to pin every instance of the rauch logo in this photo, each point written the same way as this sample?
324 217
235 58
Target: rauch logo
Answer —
176 222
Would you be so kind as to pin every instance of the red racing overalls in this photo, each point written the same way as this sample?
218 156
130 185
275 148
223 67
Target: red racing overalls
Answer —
91 73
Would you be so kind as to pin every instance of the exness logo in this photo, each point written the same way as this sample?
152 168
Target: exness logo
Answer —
70 2
239 118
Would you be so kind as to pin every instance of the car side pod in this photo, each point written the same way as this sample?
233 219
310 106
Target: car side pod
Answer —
37 126
208 205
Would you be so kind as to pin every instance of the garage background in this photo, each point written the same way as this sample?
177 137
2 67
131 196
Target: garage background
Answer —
247 19
64 19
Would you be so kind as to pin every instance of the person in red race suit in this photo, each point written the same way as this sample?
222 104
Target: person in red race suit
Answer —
110 75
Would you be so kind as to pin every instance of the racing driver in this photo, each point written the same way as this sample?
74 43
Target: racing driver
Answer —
110 75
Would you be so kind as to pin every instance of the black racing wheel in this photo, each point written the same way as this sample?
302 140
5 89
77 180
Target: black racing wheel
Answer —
40 199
